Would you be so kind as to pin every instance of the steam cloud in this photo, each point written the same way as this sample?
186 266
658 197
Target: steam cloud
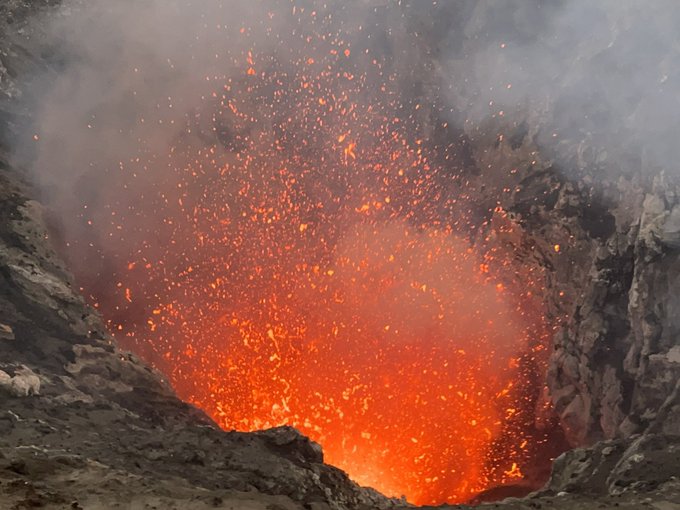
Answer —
602 75
596 75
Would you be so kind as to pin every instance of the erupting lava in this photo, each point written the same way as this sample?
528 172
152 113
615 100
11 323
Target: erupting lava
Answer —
300 254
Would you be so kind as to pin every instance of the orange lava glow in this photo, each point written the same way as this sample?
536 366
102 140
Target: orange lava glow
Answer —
301 254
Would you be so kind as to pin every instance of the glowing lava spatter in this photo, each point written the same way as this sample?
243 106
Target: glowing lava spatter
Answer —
298 255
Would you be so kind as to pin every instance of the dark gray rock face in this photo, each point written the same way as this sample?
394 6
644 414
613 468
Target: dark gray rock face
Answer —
614 467
612 293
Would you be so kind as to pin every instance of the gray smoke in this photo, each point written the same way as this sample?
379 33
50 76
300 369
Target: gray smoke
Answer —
603 75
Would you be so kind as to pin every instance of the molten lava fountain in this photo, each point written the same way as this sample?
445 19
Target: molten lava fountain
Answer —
299 253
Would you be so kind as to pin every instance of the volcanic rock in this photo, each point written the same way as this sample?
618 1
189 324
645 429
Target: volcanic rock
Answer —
6 332
24 383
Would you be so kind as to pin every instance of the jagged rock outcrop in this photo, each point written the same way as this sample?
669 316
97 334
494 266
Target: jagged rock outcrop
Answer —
610 287
641 463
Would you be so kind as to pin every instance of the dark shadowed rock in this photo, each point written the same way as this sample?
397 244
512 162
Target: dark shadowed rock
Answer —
288 442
